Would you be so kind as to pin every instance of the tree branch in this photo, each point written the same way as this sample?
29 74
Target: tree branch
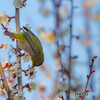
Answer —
88 78
10 97
17 48
70 49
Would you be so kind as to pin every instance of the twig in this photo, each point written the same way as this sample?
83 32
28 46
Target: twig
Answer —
58 26
88 33
1 79
11 17
10 97
88 77
70 49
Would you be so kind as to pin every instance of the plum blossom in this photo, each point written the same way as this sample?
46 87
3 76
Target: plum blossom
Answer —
60 94
14 88
62 11
48 74
63 86
4 63
2 92
4 19
42 87
32 85
45 12
19 73
26 57
17 3
10 83
14 67
48 37
4 46
20 96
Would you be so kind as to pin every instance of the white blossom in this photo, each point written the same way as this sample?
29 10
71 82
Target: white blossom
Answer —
3 19
62 11
17 3
2 92
4 46
19 73
63 86
32 85
26 57
4 63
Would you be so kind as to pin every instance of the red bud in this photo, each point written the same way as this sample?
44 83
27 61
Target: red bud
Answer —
77 37
62 97
5 28
27 85
93 70
7 64
15 86
87 91
80 96
13 39
14 75
2 46
95 56
88 76
9 19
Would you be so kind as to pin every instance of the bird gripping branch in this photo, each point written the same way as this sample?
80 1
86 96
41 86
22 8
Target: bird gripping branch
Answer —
29 42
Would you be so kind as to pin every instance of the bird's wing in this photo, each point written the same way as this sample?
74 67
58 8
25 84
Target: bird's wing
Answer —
27 33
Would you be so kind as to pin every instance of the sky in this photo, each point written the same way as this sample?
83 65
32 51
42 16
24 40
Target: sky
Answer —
28 15
31 15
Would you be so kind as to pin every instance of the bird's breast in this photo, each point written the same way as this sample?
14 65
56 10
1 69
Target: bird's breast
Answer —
27 48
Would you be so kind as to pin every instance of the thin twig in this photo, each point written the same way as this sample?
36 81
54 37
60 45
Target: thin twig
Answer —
57 33
10 97
70 49
1 79
88 78
11 17
88 33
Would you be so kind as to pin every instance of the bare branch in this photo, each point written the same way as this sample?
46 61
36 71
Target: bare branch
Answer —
10 97
88 78
17 48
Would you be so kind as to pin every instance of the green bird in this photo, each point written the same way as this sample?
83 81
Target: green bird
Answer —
29 42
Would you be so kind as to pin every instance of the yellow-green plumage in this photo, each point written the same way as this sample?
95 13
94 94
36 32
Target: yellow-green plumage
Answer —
31 44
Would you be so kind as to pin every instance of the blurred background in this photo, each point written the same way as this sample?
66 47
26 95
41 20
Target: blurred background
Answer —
50 21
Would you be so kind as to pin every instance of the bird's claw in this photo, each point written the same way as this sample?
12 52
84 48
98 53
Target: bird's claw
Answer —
20 55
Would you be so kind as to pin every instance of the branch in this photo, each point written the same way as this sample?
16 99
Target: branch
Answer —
70 49
57 5
17 48
88 78
11 17
10 97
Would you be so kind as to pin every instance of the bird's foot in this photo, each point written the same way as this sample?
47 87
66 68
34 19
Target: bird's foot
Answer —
20 54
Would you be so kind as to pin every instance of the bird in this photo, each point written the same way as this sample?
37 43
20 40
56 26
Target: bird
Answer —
30 43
